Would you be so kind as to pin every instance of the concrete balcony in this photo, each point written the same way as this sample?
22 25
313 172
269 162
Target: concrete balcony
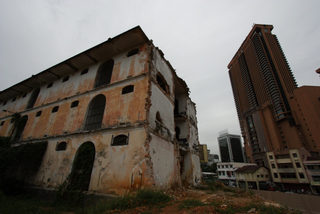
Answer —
286 170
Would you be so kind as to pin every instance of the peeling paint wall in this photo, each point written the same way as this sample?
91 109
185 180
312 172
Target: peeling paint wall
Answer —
152 156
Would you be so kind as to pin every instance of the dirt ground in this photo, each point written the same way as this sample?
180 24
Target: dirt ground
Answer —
217 202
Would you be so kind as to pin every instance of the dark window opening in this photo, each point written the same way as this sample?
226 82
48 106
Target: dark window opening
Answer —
104 74
24 95
162 83
294 155
65 79
133 52
61 146
1 124
50 85
298 165
74 104
120 140
14 99
4 103
95 113
20 127
158 118
38 114
55 109
273 166
33 98
275 175
127 89
84 71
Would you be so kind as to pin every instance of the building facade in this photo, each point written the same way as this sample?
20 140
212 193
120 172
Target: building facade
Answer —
253 177
287 169
120 99
264 89
230 148
312 167
226 171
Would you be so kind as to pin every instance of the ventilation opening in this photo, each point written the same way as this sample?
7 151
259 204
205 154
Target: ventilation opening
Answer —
61 146
133 52
38 113
55 109
84 71
74 104
120 140
65 79
127 89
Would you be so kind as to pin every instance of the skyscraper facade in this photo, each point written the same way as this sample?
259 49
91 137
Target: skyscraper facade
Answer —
230 148
263 84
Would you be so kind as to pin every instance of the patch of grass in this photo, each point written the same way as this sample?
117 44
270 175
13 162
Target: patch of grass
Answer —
190 203
145 197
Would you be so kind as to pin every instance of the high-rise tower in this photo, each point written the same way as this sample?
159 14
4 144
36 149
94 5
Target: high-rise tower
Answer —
262 85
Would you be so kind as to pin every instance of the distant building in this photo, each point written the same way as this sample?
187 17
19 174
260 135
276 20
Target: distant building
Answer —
230 147
252 177
312 167
226 171
203 153
213 158
273 113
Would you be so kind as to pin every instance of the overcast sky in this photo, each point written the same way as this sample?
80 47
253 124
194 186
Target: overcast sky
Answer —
198 38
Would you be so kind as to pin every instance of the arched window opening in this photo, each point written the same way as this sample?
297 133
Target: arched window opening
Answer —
133 52
162 83
158 118
127 89
55 109
33 98
20 127
61 146
120 140
95 113
80 175
74 104
104 74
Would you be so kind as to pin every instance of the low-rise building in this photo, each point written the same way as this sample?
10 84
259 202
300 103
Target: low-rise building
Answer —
226 171
312 167
252 177
287 169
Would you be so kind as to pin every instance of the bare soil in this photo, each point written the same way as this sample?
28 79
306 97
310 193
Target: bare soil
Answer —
217 202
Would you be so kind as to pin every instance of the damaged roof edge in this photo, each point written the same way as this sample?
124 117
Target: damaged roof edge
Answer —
139 37
182 82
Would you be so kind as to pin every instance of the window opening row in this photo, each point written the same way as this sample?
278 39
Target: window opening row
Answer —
119 140
103 78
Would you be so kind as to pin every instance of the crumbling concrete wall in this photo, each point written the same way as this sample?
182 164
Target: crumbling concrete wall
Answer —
150 159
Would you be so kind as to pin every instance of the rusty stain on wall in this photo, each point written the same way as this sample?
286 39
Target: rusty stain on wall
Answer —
152 155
